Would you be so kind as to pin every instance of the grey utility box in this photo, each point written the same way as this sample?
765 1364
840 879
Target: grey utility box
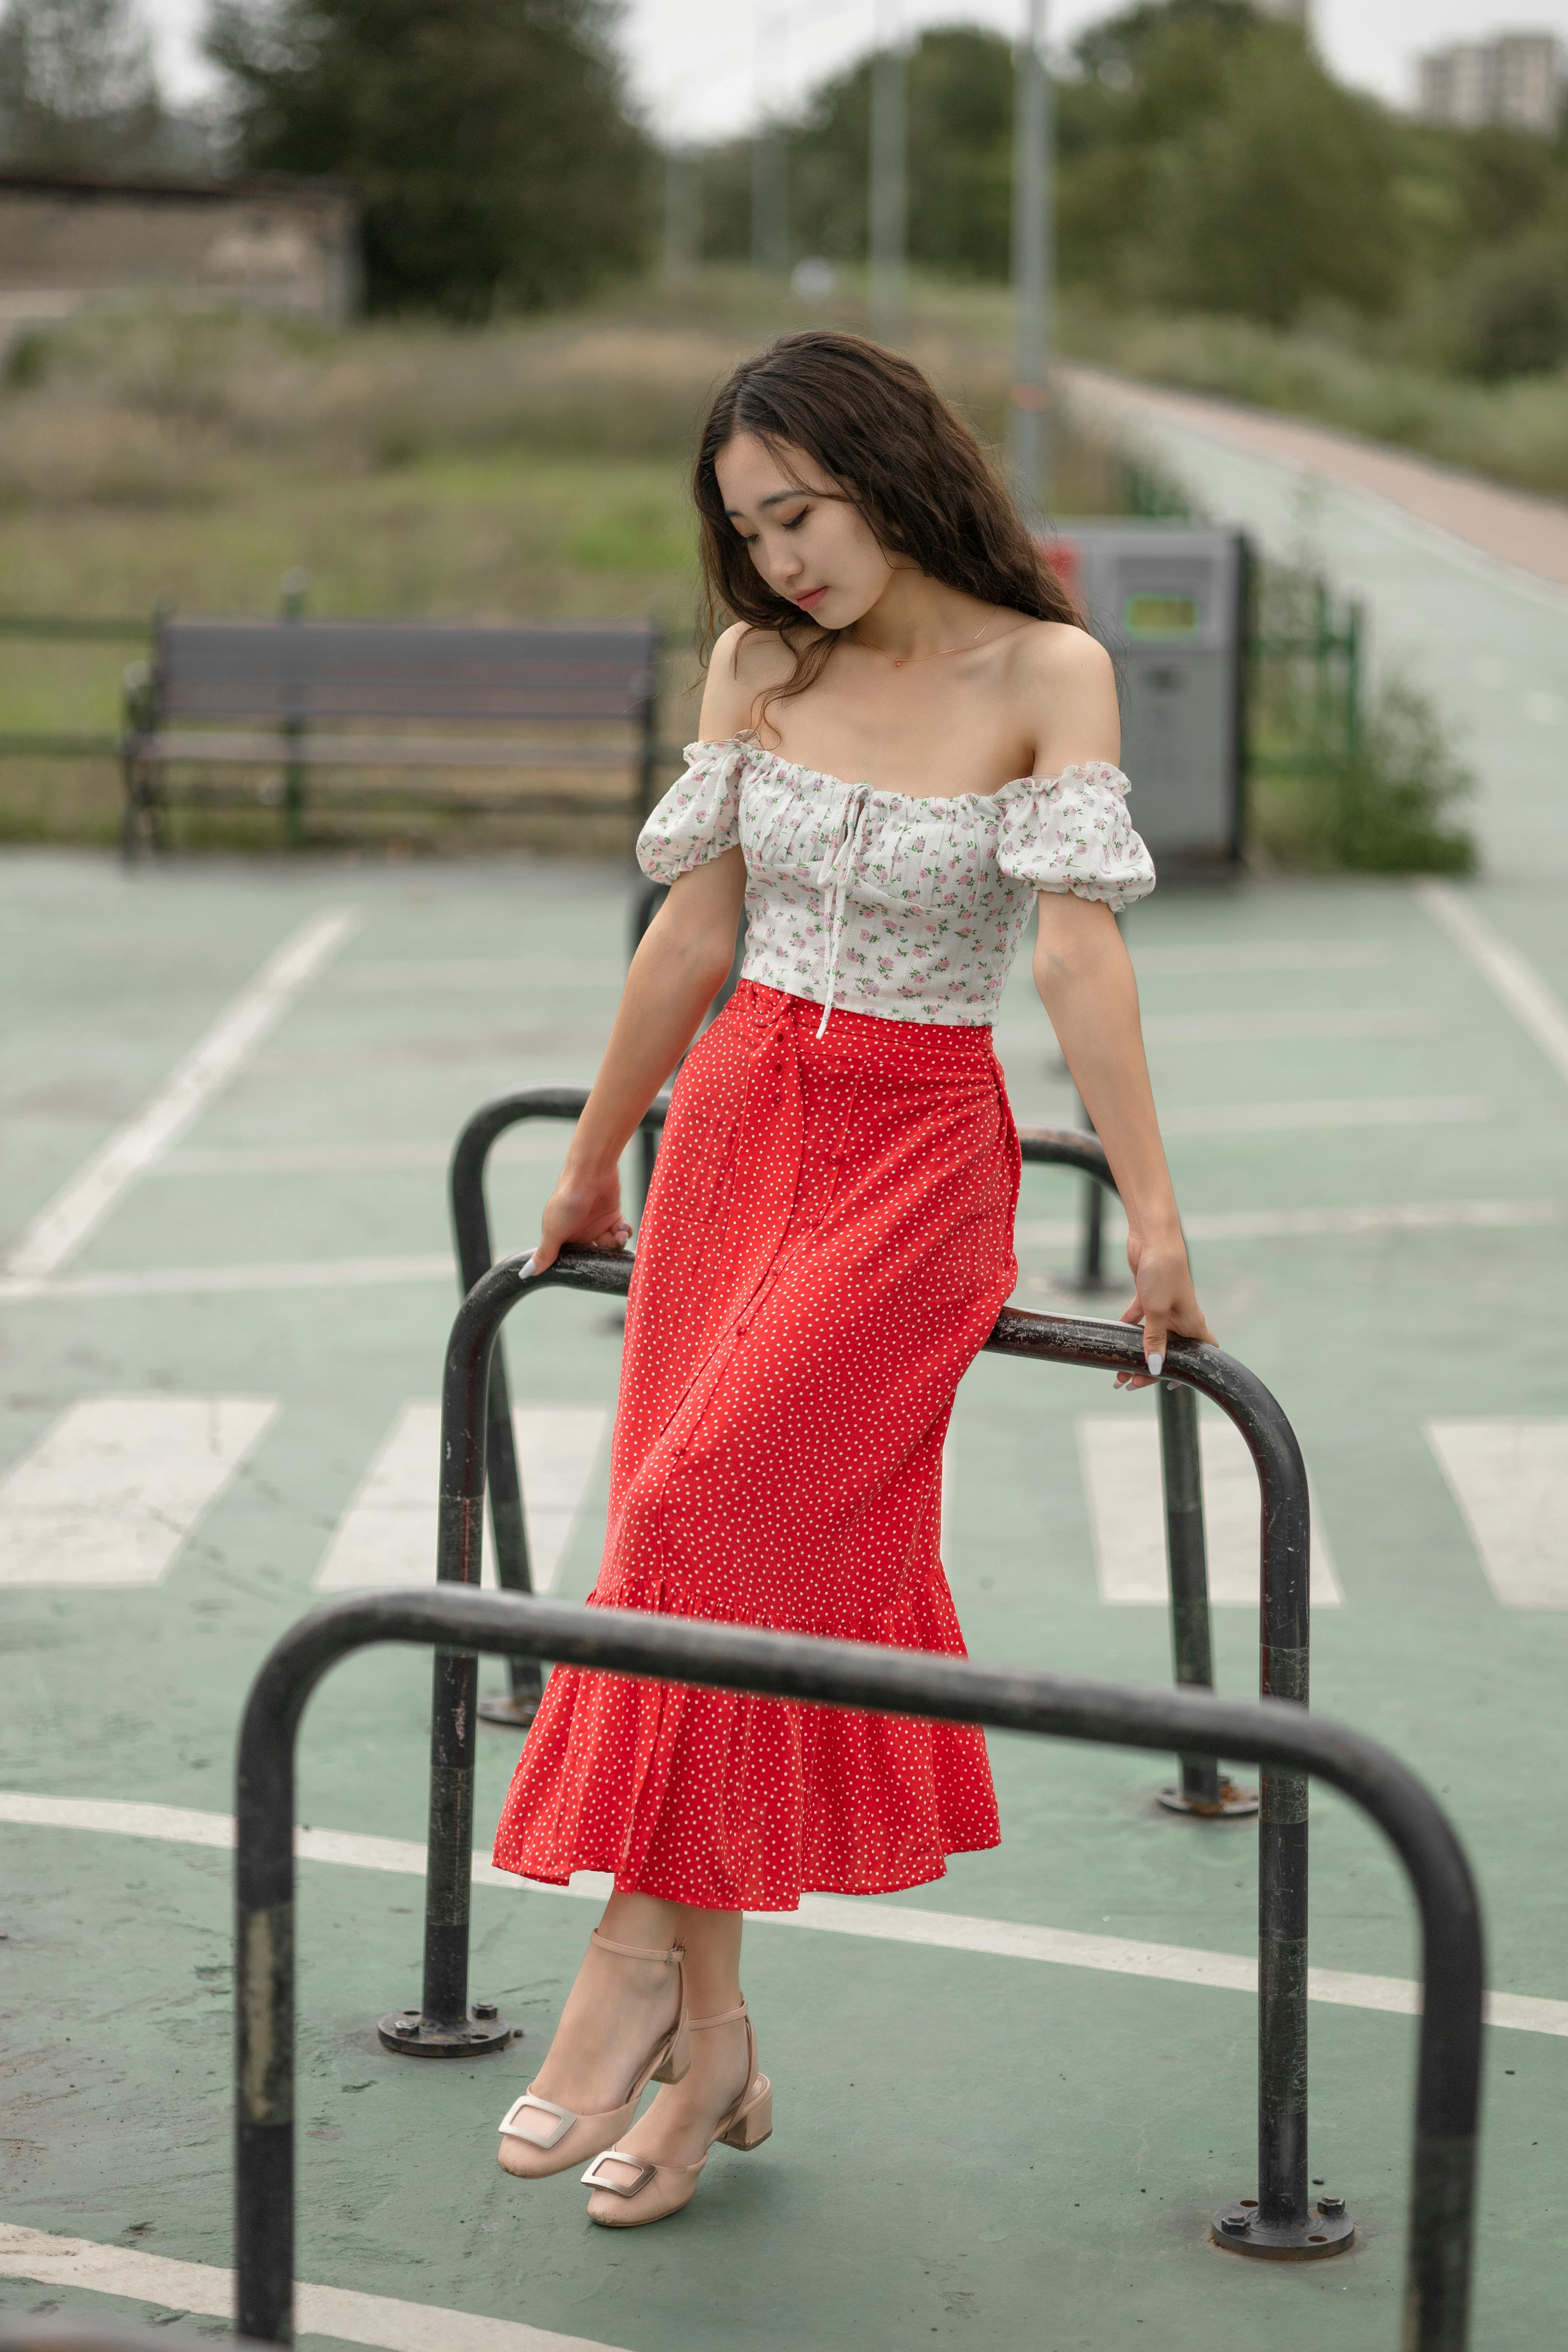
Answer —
1169 600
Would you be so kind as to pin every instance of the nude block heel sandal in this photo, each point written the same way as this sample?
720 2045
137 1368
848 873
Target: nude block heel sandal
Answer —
657 2190
537 2138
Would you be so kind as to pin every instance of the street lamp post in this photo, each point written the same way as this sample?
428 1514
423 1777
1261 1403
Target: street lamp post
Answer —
1028 431
770 159
683 212
889 172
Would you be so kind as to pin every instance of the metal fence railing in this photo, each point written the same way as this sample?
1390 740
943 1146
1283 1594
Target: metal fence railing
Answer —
1200 1790
444 2025
1286 1740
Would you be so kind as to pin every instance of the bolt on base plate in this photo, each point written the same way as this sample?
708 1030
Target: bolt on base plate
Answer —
1234 1804
1326 2229
412 2036
515 1714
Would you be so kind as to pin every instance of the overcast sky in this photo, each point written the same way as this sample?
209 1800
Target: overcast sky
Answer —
700 64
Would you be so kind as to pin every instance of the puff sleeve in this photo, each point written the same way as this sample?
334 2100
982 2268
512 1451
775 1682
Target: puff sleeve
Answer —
1072 832
700 816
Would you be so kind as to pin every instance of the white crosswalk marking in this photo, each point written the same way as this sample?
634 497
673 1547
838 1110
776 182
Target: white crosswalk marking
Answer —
1120 1457
65 1224
1509 1478
387 1534
111 1491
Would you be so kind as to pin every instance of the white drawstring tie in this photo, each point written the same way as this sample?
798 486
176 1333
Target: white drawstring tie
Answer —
835 875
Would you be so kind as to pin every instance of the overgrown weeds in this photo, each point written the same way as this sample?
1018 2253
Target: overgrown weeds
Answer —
1387 806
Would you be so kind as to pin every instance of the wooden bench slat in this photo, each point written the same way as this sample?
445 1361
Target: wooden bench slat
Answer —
310 750
306 695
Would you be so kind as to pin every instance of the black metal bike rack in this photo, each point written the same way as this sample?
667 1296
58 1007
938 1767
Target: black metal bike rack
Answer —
445 2026
1201 1790
1285 1739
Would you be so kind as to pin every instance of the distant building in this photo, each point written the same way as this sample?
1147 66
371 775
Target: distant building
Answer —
68 241
1515 79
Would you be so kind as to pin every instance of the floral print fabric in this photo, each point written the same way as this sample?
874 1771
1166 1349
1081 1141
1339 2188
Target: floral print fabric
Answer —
884 902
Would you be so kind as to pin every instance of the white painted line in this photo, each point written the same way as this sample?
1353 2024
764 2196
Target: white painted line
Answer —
1398 1217
1263 955
387 1534
45 2259
1120 1459
111 1491
192 1281
1510 1479
482 972
1503 969
1243 1028
60 1231
1239 1225
1369 1110
1352 1224
538 1140
1279 1028
829 1915
306 1160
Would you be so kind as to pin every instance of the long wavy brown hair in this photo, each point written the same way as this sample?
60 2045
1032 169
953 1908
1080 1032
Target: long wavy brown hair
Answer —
890 443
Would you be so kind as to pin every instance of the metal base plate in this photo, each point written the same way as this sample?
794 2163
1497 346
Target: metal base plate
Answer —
1238 2229
515 1714
1234 1804
412 2036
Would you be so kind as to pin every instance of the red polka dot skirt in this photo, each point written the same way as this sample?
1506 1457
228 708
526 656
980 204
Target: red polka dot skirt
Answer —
827 1246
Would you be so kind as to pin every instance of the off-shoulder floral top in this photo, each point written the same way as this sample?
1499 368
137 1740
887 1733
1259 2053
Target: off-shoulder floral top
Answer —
884 902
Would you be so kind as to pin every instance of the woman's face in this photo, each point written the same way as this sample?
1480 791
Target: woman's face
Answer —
805 538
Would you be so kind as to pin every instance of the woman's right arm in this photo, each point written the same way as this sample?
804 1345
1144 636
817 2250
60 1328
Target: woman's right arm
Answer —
676 973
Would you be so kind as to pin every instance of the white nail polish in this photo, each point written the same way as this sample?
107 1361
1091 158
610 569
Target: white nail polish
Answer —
1156 1363
527 1269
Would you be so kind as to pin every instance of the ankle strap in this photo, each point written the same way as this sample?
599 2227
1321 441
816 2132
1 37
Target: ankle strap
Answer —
634 1951
729 2016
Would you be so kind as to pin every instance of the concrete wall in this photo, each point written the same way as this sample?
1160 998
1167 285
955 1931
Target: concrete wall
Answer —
273 244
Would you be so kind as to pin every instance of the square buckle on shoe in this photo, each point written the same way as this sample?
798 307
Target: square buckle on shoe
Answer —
646 2172
512 2126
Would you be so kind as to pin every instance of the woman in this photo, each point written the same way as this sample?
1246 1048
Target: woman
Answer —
907 739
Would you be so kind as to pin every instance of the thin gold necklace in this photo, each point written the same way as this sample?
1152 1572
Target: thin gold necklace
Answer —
901 661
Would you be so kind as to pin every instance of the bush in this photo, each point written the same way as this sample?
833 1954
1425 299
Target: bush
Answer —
1510 310
1384 808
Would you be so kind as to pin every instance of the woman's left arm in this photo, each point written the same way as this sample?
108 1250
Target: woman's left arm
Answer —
1084 974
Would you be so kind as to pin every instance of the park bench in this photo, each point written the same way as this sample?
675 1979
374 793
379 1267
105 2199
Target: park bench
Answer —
567 710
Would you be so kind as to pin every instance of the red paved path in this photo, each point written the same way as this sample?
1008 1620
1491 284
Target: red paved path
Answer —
1510 525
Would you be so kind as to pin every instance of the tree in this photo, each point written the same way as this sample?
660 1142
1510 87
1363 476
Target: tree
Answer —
490 141
1209 162
960 107
77 86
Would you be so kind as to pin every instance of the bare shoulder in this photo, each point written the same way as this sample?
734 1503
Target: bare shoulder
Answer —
744 663
1057 654
1064 683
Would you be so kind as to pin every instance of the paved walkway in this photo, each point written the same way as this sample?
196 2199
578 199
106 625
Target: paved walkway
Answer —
1511 526
221 1207
1005 2102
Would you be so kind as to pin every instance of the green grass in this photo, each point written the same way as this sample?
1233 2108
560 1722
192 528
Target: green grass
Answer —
156 457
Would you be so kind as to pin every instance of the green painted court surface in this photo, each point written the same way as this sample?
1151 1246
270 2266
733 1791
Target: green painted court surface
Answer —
969 2147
